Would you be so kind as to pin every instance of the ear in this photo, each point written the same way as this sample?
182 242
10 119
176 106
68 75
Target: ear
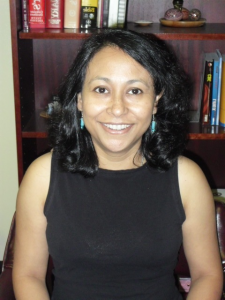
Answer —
157 98
79 102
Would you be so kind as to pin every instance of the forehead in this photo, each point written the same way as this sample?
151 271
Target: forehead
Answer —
112 59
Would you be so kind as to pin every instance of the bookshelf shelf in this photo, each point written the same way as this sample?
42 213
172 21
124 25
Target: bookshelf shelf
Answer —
37 128
215 31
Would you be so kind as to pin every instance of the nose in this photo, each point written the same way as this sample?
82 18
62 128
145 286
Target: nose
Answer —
117 106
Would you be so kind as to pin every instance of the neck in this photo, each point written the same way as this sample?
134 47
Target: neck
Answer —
121 162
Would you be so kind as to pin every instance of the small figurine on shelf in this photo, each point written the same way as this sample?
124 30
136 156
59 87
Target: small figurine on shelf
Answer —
178 4
52 107
173 14
195 14
180 13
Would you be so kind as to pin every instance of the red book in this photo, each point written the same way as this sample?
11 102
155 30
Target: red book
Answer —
54 13
37 13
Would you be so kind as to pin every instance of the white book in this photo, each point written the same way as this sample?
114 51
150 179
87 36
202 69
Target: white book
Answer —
100 14
121 17
113 13
72 14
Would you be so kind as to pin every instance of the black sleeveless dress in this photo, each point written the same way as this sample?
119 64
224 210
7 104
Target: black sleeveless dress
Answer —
115 236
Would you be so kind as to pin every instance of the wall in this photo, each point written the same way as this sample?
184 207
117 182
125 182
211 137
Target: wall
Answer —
8 159
154 10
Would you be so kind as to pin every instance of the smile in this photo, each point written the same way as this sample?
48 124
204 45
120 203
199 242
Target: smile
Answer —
116 127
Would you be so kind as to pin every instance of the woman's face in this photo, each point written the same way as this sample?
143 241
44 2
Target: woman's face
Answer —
117 101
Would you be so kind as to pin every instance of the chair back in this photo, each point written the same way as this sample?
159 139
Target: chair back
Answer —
182 270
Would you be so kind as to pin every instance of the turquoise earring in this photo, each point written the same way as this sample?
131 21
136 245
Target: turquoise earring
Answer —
153 124
81 121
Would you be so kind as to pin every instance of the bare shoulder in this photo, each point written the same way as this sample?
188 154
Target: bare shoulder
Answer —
36 179
31 250
186 165
193 183
41 165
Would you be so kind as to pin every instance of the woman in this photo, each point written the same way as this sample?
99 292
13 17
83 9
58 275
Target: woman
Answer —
115 199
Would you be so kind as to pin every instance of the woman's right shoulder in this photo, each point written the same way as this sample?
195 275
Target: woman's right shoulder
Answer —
41 166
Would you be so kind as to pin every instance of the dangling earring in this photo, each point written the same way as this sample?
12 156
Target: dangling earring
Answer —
81 121
153 124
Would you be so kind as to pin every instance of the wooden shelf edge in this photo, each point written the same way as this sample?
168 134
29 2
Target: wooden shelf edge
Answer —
190 36
38 135
46 33
214 31
36 127
191 136
206 136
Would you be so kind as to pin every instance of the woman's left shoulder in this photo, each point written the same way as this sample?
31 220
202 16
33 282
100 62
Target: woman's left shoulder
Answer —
192 182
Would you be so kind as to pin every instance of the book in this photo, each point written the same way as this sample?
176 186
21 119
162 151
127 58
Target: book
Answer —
88 13
113 13
222 96
72 14
122 12
36 13
105 13
219 87
25 16
207 92
197 88
100 14
215 89
54 13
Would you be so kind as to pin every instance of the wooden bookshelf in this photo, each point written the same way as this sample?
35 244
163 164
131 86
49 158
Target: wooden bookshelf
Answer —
41 57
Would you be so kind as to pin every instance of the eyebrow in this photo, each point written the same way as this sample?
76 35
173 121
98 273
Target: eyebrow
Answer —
129 81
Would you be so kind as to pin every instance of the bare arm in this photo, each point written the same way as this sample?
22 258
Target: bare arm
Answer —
31 251
199 233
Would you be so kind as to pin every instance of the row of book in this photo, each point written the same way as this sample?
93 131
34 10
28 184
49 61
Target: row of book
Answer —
213 89
73 13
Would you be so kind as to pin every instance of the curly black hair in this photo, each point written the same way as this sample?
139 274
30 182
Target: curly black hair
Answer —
74 147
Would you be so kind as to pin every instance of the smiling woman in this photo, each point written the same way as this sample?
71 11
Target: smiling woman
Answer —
117 107
115 199
121 73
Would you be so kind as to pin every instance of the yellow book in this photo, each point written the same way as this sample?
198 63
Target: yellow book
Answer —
89 13
222 96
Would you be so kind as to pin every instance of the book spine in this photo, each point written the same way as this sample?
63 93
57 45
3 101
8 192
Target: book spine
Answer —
214 92
222 97
88 14
122 11
219 87
105 13
54 13
25 16
37 13
100 14
72 14
113 12
206 98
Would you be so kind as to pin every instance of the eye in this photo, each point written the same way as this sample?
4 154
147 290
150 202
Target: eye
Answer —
135 91
101 90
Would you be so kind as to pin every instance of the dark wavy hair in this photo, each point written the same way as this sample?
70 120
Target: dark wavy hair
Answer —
74 147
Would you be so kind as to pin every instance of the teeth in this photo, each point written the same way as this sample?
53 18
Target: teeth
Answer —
117 127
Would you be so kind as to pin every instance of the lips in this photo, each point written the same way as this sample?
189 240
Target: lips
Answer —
118 127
